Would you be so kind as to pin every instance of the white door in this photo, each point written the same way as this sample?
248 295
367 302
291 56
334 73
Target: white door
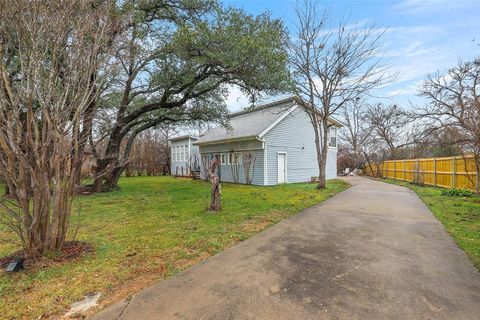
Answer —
282 167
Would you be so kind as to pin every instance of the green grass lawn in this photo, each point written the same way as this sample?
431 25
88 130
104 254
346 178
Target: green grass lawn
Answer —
459 215
151 228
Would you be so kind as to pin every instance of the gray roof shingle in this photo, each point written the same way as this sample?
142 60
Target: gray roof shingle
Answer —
247 124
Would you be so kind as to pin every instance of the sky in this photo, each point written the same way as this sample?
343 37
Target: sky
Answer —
422 37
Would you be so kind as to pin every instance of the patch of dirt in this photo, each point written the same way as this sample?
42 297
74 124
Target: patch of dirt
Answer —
141 279
72 250
257 224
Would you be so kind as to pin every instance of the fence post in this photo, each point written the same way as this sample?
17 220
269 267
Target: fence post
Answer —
434 172
394 169
477 180
417 170
404 170
453 171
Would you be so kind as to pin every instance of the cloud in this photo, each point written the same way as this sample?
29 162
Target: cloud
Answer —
427 6
411 89
236 99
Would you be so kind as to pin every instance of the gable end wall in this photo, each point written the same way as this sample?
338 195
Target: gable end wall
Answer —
295 136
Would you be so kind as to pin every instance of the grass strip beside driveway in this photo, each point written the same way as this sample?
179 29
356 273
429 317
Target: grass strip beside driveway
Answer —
459 215
151 228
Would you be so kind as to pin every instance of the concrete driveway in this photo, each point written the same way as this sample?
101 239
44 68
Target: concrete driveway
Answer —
372 252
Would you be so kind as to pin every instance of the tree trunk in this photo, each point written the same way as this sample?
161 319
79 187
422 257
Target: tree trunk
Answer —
216 193
108 168
322 150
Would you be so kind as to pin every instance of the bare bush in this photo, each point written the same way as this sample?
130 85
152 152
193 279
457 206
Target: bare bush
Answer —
150 154
50 58
248 161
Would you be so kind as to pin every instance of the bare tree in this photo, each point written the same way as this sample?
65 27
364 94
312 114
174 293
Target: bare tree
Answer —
390 128
150 154
454 103
375 154
216 192
332 66
248 161
50 62
355 133
235 164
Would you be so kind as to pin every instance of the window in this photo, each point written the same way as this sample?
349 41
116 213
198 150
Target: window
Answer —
186 153
205 160
223 158
332 137
333 141
173 153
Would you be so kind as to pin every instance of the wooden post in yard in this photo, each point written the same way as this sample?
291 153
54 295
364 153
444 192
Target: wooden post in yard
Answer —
404 170
453 171
434 172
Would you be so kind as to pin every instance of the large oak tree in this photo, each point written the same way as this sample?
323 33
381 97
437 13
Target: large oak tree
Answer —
177 59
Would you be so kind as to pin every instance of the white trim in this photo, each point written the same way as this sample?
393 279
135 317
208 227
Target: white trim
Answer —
224 141
265 164
189 150
286 165
235 150
273 124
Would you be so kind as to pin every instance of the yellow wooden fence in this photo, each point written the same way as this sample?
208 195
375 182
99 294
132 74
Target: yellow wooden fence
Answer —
449 172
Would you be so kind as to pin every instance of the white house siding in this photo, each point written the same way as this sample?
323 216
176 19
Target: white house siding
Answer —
332 163
295 136
192 154
253 147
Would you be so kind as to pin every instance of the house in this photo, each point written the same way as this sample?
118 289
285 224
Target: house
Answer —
269 145
185 156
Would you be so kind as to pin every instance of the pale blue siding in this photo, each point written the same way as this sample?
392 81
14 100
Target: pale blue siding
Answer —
294 135
253 147
332 163
290 133
192 156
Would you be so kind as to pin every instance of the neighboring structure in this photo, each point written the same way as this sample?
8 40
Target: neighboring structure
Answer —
269 145
185 156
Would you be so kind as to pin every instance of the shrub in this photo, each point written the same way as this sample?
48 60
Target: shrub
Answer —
454 192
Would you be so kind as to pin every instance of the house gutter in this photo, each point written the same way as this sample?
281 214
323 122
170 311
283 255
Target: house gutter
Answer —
227 141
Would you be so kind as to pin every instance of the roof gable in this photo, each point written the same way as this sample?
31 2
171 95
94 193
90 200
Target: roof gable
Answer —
249 124
253 124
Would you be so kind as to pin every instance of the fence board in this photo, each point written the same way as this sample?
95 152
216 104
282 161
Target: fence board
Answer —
447 172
